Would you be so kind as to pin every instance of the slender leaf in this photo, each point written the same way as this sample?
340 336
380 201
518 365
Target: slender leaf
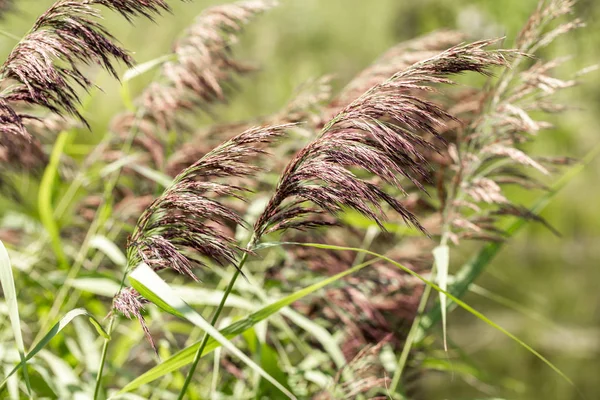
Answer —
118 164
56 329
45 198
153 175
459 302
192 295
142 68
441 255
153 288
185 356
10 295
110 249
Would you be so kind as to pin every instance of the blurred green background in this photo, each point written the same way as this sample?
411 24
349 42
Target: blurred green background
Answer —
553 279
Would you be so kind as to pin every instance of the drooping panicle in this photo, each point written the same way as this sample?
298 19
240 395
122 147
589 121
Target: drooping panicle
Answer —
46 65
45 68
178 219
200 70
184 227
491 154
17 146
383 134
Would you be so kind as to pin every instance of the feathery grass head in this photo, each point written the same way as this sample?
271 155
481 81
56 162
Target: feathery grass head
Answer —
46 64
382 133
202 66
178 219
18 149
490 153
45 68
183 228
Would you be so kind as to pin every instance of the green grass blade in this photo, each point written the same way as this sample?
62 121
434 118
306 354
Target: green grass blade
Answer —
459 302
56 329
10 295
321 334
476 265
147 66
153 288
192 295
45 198
110 249
186 355
512 304
441 255
119 164
153 175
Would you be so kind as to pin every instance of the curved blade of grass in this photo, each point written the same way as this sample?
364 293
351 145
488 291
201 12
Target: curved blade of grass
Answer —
142 68
109 248
185 356
321 334
153 175
441 255
192 295
514 305
56 329
136 71
459 302
153 288
118 164
45 198
10 295
476 265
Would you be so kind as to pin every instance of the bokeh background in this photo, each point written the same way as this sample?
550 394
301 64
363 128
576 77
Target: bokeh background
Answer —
554 281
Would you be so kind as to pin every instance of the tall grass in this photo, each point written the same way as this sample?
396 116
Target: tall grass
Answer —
340 212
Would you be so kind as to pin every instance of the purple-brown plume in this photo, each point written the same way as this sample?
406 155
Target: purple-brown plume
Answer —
201 69
46 67
183 228
382 133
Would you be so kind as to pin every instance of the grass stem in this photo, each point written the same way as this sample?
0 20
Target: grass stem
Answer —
213 322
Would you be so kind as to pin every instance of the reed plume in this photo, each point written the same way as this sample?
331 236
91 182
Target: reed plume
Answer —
381 133
196 75
45 68
183 228
489 150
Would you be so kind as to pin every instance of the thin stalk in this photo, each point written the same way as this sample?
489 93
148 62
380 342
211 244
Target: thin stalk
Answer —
410 339
215 318
95 226
45 199
103 358
111 326
10 35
